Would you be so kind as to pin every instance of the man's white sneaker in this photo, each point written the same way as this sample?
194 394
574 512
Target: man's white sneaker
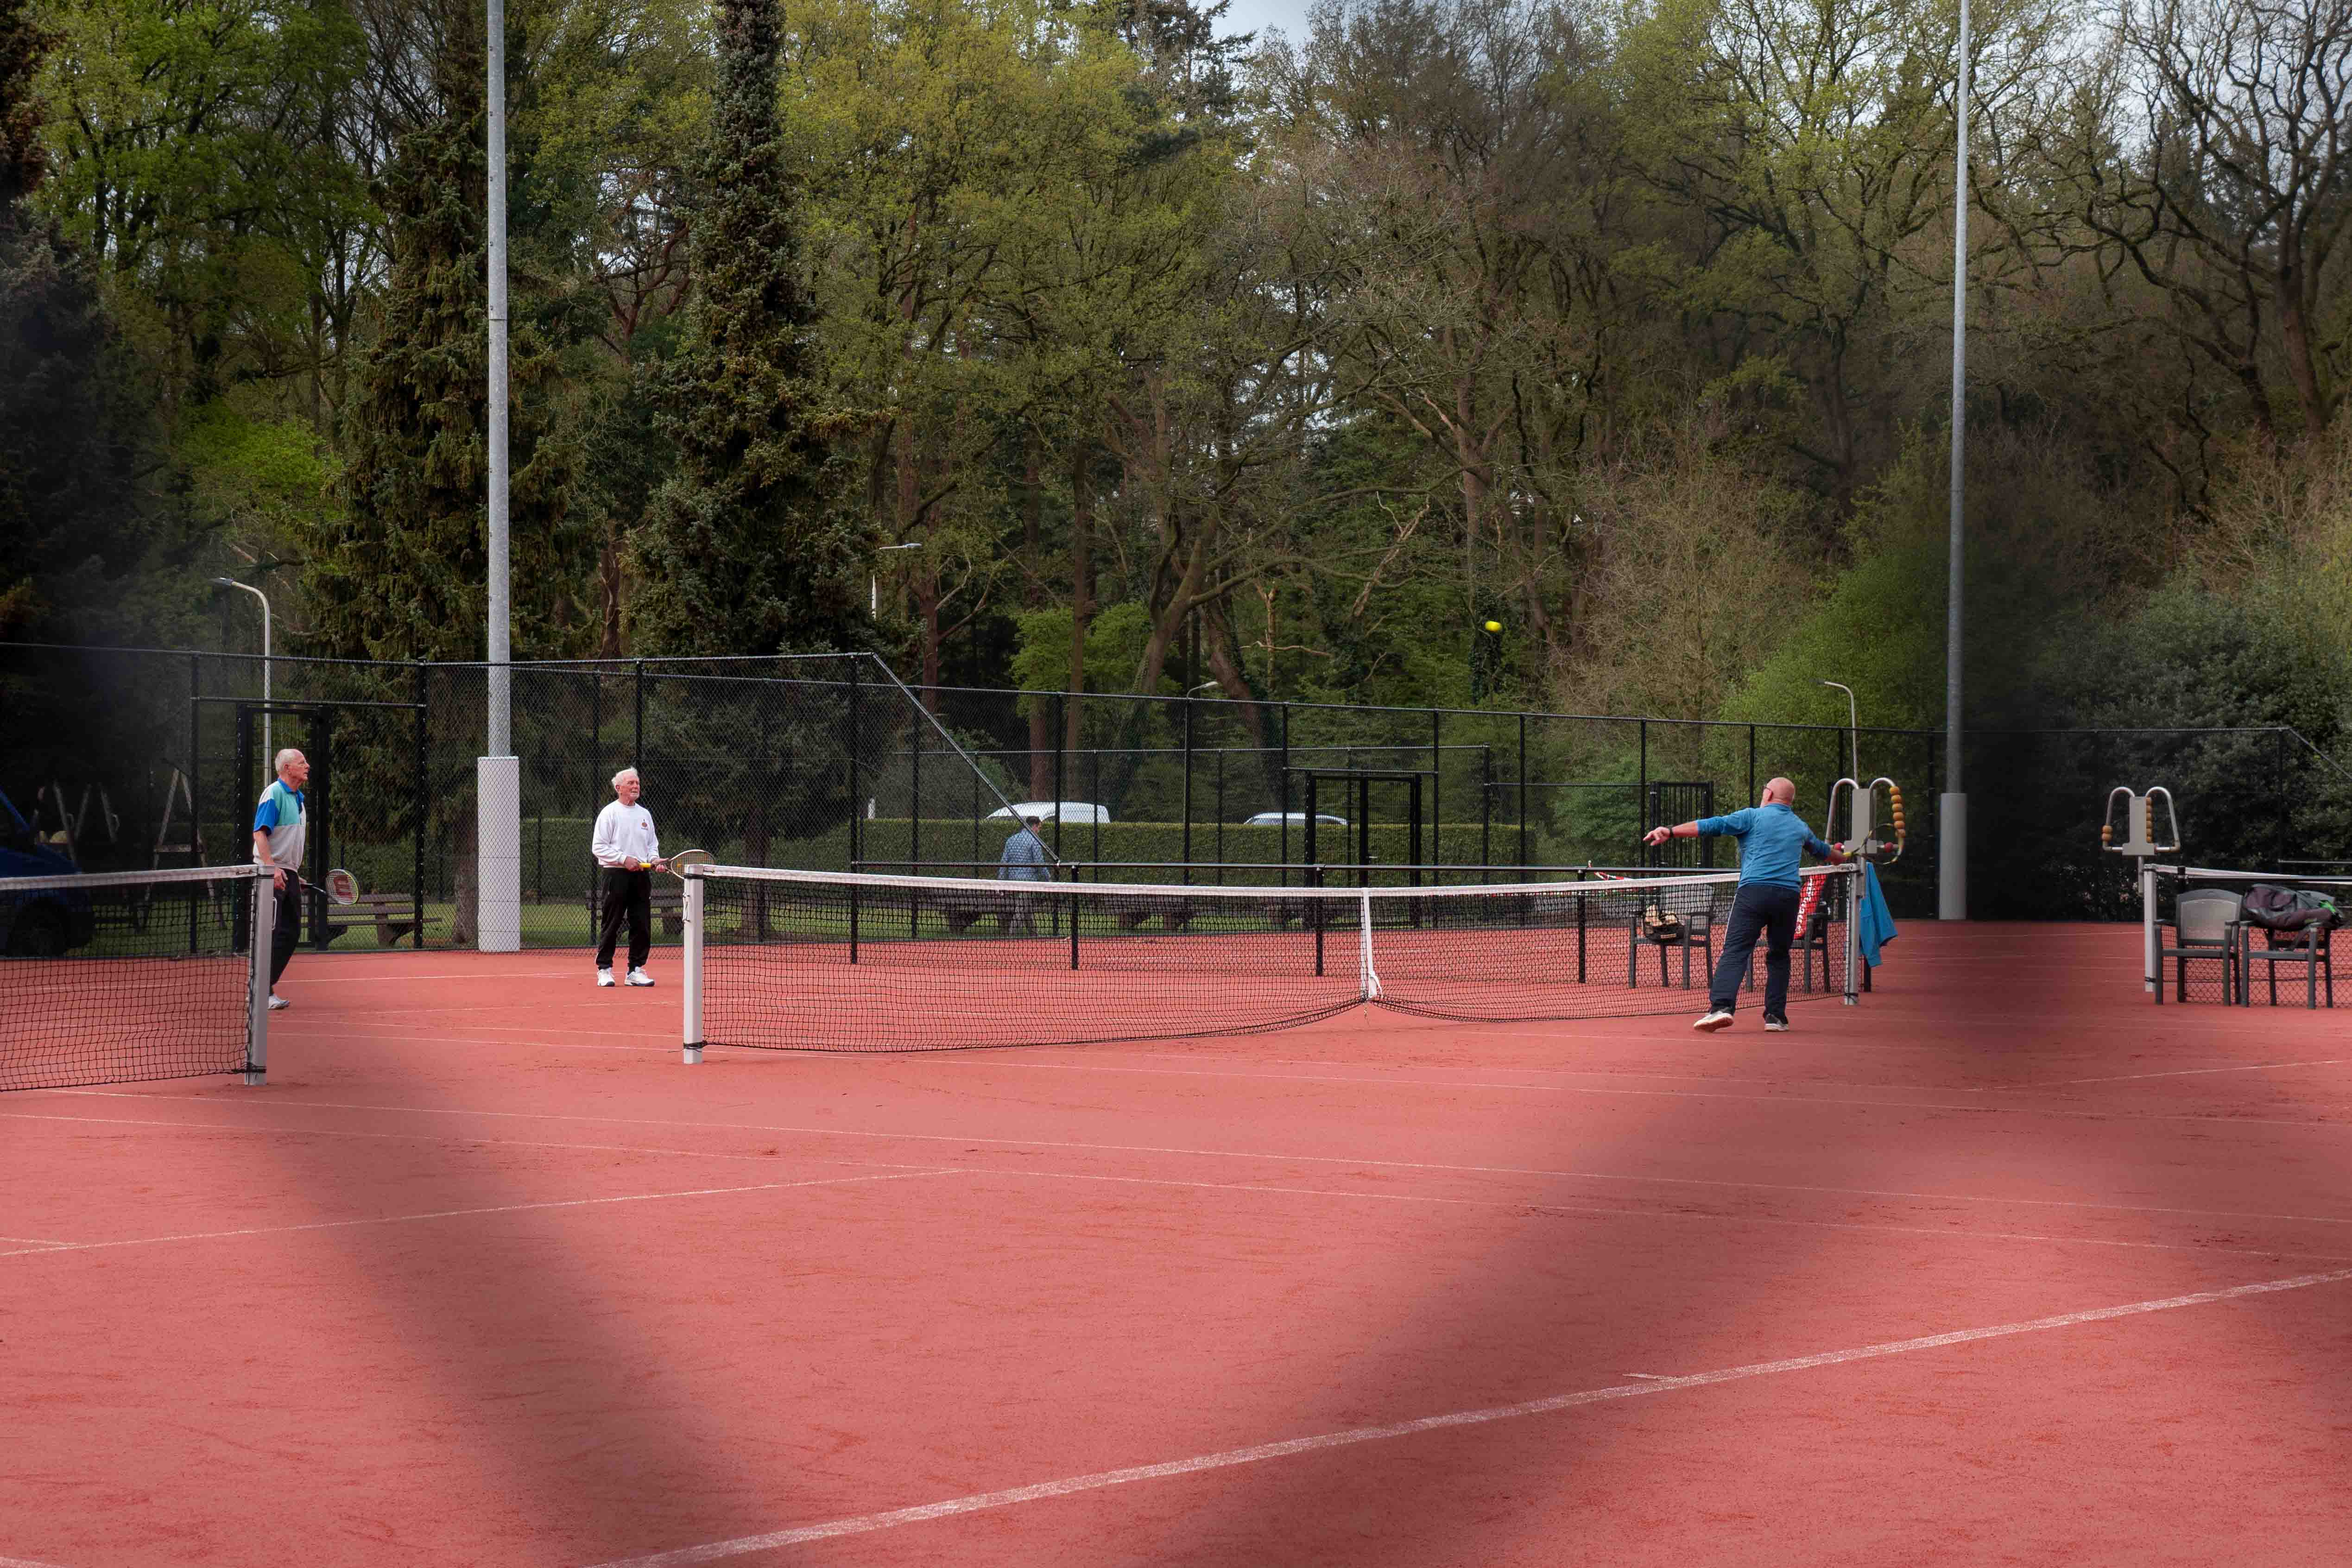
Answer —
639 977
277 1002
1776 1025
603 977
1719 1019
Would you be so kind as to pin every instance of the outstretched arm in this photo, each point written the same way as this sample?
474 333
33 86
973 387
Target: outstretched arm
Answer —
1658 835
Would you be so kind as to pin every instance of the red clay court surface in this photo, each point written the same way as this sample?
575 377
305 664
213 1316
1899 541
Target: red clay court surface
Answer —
2005 1266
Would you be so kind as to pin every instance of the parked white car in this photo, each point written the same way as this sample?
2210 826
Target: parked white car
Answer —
1050 811
1295 819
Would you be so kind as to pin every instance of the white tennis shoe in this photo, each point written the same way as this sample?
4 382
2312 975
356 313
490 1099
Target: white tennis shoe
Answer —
1719 1019
604 978
278 1004
639 977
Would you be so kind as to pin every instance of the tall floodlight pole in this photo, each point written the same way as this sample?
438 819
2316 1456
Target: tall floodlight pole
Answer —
1952 814
232 583
498 775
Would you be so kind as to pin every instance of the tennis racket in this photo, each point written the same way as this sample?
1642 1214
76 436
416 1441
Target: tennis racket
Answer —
687 858
1806 904
339 886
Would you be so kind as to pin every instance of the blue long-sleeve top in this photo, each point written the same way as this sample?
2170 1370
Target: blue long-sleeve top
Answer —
1024 860
1773 841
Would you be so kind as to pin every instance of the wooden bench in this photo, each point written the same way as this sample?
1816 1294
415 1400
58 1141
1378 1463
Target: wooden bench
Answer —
1133 912
393 915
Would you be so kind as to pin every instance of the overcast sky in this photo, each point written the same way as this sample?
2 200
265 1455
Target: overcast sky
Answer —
1261 16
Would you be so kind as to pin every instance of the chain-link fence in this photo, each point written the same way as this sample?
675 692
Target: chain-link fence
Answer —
134 758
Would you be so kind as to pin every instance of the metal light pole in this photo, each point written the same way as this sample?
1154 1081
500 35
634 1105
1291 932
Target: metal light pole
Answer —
232 583
1952 814
1853 727
498 776
873 580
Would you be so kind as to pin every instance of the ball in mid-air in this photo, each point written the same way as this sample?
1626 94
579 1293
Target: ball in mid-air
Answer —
1493 626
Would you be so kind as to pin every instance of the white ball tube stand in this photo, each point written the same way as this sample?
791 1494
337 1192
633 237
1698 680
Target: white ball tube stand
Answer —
498 820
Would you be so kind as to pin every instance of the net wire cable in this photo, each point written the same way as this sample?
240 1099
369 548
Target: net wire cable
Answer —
151 984
806 985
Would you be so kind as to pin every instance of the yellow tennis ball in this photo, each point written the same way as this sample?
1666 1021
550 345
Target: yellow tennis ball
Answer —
1493 626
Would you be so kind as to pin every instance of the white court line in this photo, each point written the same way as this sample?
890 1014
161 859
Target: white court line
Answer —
2181 1072
462 1214
29 1241
338 1038
23 1562
684 1557
1941 1232
1369 1160
408 1137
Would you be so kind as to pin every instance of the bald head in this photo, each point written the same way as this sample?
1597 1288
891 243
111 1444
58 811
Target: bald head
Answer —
1779 792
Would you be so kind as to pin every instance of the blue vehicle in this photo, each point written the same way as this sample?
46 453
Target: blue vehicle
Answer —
38 925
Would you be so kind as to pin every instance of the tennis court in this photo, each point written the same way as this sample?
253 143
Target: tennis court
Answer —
2004 1265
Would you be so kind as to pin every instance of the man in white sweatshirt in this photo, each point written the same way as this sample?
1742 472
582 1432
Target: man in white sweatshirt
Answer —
629 854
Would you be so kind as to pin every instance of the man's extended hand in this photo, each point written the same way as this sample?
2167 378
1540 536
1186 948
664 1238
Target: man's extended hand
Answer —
1658 835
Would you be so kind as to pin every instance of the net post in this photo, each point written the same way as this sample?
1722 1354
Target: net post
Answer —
1368 979
1855 885
2151 972
262 930
693 988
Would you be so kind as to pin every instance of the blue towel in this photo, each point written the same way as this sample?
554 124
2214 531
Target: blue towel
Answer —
1876 928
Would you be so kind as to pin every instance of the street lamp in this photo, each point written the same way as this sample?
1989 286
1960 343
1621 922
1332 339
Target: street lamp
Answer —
1202 687
1853 726
232 583
874 581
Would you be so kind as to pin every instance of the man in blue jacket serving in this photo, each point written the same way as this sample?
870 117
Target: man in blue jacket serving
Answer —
1773 841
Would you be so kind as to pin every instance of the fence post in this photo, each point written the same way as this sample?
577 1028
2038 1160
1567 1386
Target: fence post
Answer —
1188 787
1436 787
638 746
915 789
1061 763
2278 854
423 807
1282 799
857 806
1523 792
195 761
1641 797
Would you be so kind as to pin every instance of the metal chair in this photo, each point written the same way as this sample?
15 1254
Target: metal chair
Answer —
2204 924
2308 947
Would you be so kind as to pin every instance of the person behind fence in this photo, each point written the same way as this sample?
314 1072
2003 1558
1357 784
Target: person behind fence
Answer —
1773 841
281 825
630 854
1024 861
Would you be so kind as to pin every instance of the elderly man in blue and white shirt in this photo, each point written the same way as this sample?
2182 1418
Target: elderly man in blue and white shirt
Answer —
281 825
1024 861
1773 842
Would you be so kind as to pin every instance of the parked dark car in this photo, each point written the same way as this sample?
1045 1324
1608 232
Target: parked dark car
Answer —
37 924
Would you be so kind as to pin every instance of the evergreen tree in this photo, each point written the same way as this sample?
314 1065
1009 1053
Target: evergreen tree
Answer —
750 548
403 574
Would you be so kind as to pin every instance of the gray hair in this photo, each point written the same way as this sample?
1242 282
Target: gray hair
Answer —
625 773
285 755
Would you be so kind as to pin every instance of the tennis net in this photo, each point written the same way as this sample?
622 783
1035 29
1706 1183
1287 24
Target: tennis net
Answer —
123 977
826 961
2304 966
